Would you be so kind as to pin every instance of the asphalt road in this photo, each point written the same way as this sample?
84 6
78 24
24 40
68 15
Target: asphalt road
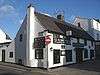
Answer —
85 68
7 70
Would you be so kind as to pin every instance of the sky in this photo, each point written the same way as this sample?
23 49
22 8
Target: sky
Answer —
12 12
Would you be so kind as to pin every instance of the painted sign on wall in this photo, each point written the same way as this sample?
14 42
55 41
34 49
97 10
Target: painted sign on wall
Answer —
39 42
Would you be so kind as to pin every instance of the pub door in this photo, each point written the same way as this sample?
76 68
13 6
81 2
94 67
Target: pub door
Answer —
3 55
56 56
79 55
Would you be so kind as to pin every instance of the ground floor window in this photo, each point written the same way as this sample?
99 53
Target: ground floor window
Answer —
11 55
91 53
68 55
56 55
38 53
85 53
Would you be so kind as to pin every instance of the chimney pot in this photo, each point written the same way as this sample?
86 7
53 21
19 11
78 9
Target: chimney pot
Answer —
60 17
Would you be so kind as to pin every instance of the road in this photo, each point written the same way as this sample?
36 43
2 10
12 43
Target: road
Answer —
85 68
8 70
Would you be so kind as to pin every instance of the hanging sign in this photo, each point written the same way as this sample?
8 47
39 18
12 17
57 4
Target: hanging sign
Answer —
47 39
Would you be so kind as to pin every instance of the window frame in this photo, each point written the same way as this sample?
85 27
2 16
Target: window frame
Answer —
67 40
92 51
21 38
86 53
69 59
79 24
39 55
11 55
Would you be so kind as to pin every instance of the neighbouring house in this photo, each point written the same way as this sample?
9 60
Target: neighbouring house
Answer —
92 27
45 41
5 55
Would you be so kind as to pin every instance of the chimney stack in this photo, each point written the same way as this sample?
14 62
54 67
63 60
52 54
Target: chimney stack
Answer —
60 17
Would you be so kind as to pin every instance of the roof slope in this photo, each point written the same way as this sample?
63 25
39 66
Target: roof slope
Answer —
48 23
55 25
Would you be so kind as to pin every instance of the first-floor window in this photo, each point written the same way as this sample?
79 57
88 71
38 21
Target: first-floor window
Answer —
11 55
85 53
67 40
68 55
21 37
38 53
56 54
91 53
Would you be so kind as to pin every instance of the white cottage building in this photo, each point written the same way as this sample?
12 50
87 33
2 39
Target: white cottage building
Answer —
44 41
5 55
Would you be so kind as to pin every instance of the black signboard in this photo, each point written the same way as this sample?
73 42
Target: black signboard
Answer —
78 45
39 42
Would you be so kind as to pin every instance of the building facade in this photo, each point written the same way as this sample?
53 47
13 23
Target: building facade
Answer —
92 27
44 41
5 55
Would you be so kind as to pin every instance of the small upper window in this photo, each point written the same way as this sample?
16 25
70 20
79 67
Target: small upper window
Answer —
79 25
56 36
63 46
40 34
67 41
69 33
11 55
21 36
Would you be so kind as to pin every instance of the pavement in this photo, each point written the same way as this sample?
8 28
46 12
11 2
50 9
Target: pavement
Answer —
85 68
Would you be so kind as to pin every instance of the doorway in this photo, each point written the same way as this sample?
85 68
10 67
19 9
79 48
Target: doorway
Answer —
56 56
3 55
79 55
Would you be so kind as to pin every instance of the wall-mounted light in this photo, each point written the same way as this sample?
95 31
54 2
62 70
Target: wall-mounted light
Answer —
51 49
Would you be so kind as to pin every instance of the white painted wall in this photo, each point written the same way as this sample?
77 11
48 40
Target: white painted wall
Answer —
62 58
34 27
10 48
24 50
89 25
83 22
3 37
68 47
3 46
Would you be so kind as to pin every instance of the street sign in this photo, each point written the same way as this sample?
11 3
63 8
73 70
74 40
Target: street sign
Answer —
47 39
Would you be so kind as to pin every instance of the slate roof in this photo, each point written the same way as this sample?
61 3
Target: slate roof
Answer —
48 23
55 25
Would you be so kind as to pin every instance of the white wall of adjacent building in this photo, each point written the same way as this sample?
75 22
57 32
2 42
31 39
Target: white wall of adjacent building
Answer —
90 25
4 45
3 37
10 48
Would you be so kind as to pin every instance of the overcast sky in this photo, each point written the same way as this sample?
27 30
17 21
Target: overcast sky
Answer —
12 12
